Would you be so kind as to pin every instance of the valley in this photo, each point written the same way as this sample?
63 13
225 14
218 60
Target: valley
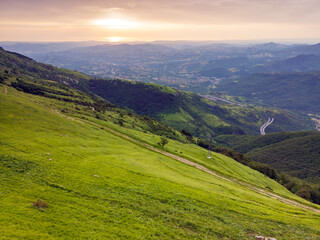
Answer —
190 112
189 66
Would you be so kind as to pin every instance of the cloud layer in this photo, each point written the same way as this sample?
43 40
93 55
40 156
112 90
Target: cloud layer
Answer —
165 19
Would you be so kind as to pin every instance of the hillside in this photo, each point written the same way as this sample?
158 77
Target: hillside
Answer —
231 68
300 63
307 49
221 68
179 109
296 154
191 66
293 91
102 178
39 48
188 111
20 64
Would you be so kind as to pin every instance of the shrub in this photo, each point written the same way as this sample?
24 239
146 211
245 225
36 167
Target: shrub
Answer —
120 122
40 204
163 141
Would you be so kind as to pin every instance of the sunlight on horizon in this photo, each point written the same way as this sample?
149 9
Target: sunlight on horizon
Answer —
116 23
157 20
115 39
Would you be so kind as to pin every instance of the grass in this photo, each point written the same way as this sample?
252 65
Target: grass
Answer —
100 186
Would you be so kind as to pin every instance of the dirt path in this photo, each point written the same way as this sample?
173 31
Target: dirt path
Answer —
200 167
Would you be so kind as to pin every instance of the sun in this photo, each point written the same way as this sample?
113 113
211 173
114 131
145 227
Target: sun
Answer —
115 39
116 23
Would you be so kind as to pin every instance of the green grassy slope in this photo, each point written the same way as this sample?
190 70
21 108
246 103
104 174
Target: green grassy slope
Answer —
98 185
101 186
296 154
191 112
293 91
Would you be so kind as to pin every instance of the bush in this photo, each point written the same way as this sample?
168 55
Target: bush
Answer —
120 122
163 141
40 204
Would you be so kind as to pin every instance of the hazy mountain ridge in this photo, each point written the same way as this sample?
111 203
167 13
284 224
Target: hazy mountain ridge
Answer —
191 66
300 63
293 91
35 49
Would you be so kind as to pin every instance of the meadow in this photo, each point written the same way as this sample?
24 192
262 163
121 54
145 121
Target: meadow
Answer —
101 186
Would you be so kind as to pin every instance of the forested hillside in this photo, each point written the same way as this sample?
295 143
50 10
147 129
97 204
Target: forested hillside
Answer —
192 113
293 91
296 153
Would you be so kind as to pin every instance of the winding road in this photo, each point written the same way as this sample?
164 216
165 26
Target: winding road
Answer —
212 98
264 126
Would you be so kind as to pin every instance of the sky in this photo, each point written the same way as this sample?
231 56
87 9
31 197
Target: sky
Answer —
149 20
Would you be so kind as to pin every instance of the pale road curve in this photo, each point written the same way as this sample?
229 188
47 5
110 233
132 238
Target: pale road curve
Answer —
212 98
198 166
262 127
265 125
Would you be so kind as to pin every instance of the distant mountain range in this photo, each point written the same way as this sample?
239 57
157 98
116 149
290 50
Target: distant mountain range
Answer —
34 49
294 91
190 66
307 49
300 63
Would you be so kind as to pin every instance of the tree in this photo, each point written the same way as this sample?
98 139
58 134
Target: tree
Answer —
163 141
120 121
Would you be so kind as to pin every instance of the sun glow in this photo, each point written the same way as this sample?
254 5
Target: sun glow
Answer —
115 39
116 23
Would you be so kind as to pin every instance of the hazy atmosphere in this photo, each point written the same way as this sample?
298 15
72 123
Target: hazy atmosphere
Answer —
147 20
